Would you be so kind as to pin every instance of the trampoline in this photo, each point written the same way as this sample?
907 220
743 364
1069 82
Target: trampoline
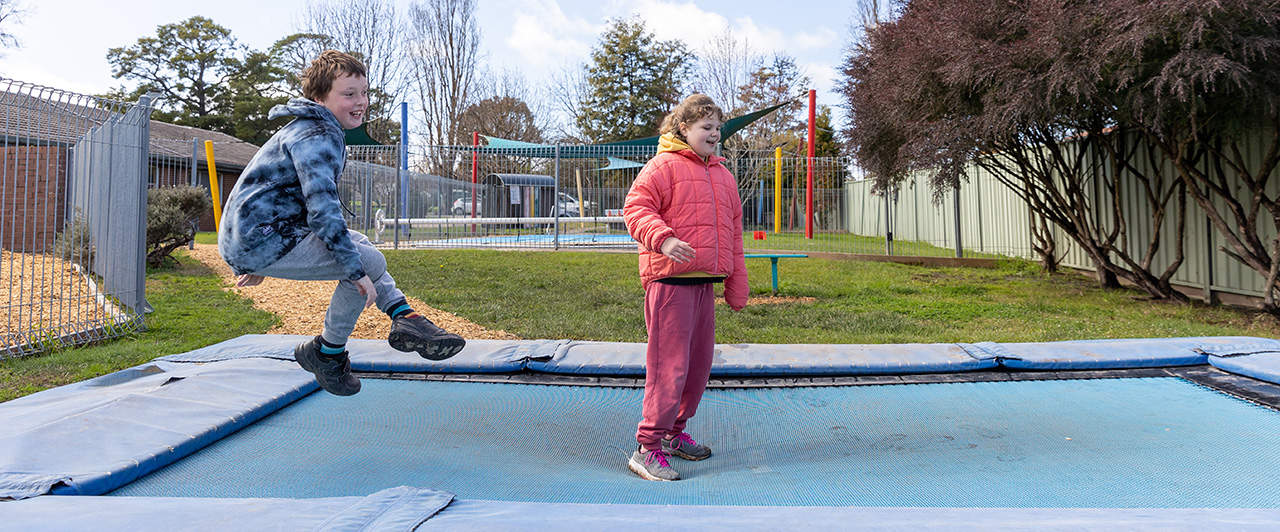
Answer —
1163 433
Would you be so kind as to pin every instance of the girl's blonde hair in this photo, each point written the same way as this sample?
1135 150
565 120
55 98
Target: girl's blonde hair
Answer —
694 108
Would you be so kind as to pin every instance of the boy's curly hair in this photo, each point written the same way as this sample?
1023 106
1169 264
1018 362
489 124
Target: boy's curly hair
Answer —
319 76
694 108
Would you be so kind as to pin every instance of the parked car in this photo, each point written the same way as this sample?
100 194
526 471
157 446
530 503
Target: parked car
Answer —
567 205
464 205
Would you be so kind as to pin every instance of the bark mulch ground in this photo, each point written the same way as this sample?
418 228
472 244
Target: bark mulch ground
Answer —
301 305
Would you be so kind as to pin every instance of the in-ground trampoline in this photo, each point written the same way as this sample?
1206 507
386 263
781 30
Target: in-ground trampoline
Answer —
1168 433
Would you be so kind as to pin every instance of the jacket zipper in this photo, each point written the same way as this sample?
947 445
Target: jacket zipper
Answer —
715 213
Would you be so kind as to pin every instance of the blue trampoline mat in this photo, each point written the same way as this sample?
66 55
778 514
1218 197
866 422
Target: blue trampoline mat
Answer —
1116 443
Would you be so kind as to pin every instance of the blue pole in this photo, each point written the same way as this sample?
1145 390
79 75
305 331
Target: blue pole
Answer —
404 168
759 203
774 260
404 150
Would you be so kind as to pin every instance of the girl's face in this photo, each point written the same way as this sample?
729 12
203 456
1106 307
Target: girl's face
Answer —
347 99
702 135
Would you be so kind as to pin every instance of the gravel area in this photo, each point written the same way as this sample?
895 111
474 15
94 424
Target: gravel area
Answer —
301 305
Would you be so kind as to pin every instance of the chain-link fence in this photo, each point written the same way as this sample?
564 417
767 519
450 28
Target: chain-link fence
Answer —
571 197
73 174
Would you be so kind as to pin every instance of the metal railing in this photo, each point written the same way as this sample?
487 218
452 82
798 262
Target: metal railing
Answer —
73 174
456 196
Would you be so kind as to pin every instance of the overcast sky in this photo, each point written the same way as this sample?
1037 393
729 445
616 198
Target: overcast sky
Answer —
65 42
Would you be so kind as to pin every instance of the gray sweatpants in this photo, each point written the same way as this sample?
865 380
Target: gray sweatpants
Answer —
311 260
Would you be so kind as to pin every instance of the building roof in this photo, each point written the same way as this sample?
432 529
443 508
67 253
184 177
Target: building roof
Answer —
531 180
172 140
31 113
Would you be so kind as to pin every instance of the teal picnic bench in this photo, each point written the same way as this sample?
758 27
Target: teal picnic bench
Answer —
773 258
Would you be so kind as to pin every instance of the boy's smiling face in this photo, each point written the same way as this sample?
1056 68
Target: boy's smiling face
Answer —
347 99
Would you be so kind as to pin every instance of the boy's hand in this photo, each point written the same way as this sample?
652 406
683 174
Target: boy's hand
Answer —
249 279
365 286
677 250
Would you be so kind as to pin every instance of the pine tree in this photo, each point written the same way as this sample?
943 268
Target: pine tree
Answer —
634 79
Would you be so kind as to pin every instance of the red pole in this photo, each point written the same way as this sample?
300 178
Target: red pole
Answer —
475 173
808 184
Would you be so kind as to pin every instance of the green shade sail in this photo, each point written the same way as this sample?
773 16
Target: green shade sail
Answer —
499 146
359 136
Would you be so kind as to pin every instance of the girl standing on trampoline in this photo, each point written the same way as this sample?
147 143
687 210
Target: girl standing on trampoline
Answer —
684 211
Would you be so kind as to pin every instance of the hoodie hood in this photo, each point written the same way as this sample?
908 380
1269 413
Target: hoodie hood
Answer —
669 143
303 108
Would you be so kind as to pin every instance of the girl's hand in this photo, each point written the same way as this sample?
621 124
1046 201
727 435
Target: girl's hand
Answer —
677 250
249 279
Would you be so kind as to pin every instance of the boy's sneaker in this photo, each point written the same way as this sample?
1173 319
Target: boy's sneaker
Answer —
684 447
652 465
332 372
416 333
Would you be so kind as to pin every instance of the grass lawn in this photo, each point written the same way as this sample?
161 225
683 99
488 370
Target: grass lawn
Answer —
597 296
191 311
848 243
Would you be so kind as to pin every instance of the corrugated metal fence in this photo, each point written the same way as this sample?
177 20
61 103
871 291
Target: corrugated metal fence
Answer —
993 220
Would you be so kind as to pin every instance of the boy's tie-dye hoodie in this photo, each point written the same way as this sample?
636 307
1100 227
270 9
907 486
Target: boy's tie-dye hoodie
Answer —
289 191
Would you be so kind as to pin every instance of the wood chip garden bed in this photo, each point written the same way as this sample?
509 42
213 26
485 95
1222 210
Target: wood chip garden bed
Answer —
43 295
301 305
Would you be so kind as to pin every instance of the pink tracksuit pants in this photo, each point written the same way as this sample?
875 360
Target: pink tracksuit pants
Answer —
681 320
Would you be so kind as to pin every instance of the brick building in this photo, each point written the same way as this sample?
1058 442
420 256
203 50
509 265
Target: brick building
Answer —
35 162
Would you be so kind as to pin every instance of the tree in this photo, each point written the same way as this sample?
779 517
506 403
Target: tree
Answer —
825 143
503 110
723 67
870 13
444 49
1021 92
189 63
569 95
773 81
1201 80
259 84
294 52
11 13
503 117
634 79
370 30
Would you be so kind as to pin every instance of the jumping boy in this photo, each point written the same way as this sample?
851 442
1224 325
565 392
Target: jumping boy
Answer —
284 220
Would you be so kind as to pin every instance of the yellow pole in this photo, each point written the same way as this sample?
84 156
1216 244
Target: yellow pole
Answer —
777 190
213 185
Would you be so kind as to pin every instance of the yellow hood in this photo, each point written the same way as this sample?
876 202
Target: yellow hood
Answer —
669 142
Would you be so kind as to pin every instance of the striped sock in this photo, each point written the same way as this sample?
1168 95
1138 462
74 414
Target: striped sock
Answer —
329 349
403 309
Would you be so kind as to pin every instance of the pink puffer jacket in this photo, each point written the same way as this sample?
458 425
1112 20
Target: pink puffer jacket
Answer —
677 194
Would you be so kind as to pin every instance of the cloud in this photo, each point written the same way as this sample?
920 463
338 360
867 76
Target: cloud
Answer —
822 75
543 36
696 26
820 38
